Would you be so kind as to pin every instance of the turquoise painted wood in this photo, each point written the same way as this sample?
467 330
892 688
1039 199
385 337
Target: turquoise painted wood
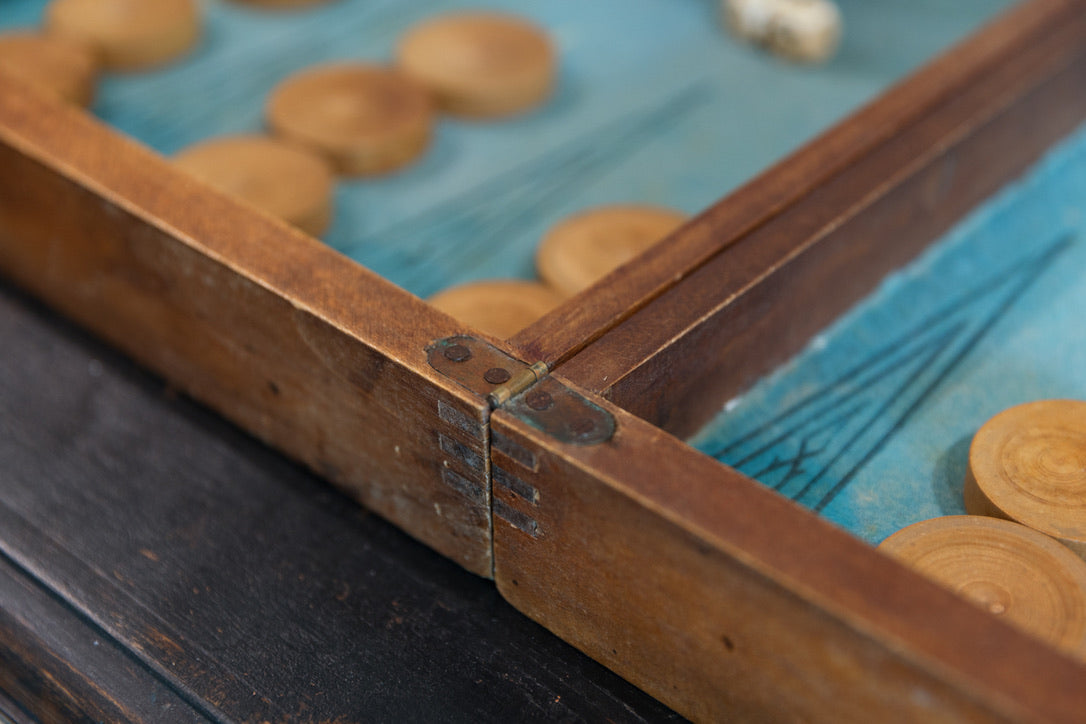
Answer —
656 104
871 424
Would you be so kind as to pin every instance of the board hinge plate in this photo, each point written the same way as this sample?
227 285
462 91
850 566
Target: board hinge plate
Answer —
524 390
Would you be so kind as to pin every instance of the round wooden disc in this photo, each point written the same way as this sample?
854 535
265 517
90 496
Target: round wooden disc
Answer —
1028 464
283 180
480 65
1005 568
500 308
128 34
61 66
580 250
365 119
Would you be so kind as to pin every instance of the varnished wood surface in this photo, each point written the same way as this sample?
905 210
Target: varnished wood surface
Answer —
568 329
676 361
1028 464
644 544
308 350
158 565
729 602
1004 568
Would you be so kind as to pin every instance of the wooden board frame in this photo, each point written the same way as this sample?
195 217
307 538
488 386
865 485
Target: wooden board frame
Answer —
772 285
726 601
713 594
308 351
567 330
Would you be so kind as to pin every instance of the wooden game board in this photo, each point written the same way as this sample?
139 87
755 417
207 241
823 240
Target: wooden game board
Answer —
704 588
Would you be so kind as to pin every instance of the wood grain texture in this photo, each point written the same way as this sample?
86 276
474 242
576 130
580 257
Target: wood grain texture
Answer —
292 341
569 328
1028 464
676 361
708 591
159 565
1005 568
728 602
62 669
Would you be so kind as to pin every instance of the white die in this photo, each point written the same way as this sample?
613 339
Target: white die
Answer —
800 30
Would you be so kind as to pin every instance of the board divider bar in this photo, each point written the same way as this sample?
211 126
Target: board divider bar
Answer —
576 324
765 295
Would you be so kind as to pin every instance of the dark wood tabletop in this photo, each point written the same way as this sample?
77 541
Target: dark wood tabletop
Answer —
157 564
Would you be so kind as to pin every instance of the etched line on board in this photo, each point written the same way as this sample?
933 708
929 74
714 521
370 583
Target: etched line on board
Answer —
234 74
1030 274
812 450
483 217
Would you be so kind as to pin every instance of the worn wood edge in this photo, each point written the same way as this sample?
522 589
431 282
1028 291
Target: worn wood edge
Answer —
239 522
999 668
645 366
331 303
147 186
57 147
572 326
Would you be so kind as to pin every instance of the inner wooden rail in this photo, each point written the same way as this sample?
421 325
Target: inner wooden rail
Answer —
743 285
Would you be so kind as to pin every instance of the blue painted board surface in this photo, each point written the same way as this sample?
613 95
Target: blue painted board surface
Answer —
871 424
655 104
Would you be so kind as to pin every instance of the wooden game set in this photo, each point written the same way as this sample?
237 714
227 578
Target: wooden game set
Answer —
538 439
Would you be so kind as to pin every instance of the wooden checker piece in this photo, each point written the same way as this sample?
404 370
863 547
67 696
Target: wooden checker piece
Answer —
480 65
1028 464
61 66
1005 568
583 248
365 119
278 178
128 34
500 308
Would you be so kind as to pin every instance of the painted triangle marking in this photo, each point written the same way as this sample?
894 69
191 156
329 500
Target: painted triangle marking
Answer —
812 450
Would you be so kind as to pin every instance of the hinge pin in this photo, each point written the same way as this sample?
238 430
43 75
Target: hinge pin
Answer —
517 383
527 392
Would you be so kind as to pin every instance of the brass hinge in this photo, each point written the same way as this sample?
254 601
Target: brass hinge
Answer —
517 383
525 390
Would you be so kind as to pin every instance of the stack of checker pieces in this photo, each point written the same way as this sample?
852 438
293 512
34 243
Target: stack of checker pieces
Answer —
1021 553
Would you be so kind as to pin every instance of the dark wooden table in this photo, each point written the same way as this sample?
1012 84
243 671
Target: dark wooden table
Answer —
157 564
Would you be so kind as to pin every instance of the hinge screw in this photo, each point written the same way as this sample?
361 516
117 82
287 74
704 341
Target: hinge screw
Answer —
539 400
497 375
457 353
583 426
